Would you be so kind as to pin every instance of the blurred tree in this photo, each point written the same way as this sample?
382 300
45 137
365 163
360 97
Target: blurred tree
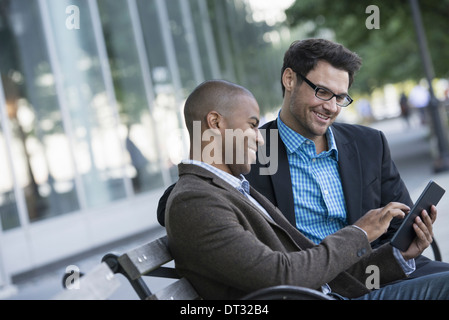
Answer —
390 53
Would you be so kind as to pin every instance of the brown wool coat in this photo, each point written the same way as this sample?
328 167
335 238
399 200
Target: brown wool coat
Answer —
226 247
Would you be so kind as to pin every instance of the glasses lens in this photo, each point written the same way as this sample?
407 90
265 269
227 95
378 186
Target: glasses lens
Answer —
346 101
323 94
342 101
326 95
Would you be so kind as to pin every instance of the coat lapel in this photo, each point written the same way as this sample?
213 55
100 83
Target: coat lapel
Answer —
350 174
281 180
274 212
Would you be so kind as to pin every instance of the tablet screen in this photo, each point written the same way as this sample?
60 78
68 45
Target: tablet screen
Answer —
406 234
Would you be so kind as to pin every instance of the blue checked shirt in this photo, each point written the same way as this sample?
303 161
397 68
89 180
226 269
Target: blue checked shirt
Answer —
320 207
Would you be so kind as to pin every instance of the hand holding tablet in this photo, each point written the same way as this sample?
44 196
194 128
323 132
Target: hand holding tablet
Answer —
406 234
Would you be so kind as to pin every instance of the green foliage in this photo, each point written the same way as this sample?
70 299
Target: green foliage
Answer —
390 54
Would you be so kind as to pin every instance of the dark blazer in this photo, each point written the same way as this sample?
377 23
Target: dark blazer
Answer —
368 175
226 247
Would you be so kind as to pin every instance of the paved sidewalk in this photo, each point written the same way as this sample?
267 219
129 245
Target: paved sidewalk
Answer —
411 151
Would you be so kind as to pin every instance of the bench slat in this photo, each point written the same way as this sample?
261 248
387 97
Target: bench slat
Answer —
179 290
145 258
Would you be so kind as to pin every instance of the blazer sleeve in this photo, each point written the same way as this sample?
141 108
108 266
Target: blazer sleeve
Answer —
393 189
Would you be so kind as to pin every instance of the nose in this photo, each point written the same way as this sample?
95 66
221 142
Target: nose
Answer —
331 105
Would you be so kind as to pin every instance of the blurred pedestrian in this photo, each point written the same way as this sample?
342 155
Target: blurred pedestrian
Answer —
405 109
420 98
365 111
138 160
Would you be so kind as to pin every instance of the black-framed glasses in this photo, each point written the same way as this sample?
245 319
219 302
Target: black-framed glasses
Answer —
343 100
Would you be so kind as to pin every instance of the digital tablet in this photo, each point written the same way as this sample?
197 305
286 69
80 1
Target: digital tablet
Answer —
406 234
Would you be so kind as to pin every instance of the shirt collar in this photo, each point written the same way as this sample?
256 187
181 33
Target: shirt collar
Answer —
238 183
294 141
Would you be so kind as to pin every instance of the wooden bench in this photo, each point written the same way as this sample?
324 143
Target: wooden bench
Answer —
150 260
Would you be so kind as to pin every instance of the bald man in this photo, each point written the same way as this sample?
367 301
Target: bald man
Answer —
228 240
208 110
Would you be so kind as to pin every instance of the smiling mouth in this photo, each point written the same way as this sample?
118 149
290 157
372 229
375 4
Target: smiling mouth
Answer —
321 116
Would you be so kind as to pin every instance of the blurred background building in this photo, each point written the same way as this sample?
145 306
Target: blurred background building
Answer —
91 101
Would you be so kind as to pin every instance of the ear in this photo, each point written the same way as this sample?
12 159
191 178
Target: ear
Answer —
214 120
289 79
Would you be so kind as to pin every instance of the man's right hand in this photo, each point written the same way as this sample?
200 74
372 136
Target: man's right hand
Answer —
376 222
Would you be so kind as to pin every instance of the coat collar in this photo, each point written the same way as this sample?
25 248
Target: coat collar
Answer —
277 216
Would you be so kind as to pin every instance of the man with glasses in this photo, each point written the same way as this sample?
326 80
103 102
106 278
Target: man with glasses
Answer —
329 174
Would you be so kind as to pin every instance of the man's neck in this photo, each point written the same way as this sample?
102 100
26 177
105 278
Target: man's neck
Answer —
222 166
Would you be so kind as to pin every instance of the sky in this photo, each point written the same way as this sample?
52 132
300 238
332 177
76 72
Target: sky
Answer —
270 10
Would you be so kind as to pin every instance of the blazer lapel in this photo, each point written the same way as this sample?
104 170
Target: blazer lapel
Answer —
350 174
281 180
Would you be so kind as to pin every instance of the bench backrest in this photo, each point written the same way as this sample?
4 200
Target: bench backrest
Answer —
149 260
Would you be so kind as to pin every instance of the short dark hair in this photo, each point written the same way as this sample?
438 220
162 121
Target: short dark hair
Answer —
218 95
303 56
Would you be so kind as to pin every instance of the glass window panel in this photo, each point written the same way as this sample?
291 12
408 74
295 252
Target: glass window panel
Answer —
178 33
98 149
197 19
138 129
167 110
34 117
218 17
8 209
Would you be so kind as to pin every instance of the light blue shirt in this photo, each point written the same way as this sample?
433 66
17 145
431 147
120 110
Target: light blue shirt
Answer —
319 202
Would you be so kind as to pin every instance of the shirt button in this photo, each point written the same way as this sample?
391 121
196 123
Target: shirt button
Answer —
326 192
361 252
